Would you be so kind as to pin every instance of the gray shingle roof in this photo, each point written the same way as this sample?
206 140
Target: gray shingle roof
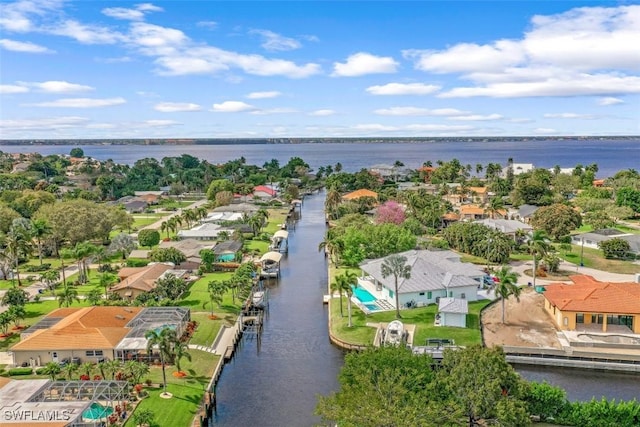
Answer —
428 271
453 305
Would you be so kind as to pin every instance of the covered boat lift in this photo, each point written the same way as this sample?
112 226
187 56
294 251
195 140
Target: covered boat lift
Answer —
280 241
270 264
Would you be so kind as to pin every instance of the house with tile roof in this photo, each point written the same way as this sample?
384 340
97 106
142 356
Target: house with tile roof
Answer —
594 306
434 275
139 280
358 194
90 334
264 192
472 212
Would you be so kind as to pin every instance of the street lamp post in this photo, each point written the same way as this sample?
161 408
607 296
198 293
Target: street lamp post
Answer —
582 253
489 241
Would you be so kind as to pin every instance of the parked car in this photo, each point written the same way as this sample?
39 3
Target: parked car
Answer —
64 362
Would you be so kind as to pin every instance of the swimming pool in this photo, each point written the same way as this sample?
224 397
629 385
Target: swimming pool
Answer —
363 295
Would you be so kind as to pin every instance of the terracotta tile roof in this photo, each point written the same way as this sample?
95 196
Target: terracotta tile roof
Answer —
588 295
363 192
471 209
478 190
264 189
84 328
451 216
143 279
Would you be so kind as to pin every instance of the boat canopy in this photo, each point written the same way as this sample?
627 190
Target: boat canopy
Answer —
282 234
271 256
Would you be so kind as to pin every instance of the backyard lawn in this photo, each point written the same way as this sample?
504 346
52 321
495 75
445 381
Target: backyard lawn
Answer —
593 258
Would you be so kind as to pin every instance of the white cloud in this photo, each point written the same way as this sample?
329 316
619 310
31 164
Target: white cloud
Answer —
403 89
7 89
274 111
264 95
322 113
118 60
362 63
174 107
158 39
81 103
16 16
57 86
86 34
207 24
275 42
416 111
438 128
567 54
27 47
123 13
42 123
545 131
575 85
159 123
569 116
232 107
148 7
478 117
609 100
375 127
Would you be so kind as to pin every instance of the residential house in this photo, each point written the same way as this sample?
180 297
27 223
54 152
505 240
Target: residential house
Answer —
158 194
452 312
94 333
507 226
390 172
239 207
139 280
593 238
525 213
228 250
591 305
206 231
220 217
135 206
264 192
434 275
191 249
472 212
517 168
358 194
479 195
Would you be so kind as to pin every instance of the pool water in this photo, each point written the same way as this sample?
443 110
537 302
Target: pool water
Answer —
96 411
227 257
363 295
372 307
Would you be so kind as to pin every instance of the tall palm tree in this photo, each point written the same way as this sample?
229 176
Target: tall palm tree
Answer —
180 350
52 369
538 248
338 286
350 279
164 226
40 229
106 280
507 286
81 252
331 203
112 366
67 296
216 290
17 244
163 340
396 266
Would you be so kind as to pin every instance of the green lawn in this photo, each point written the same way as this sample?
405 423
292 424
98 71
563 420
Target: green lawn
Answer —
187 392
593 258
257 245
276 217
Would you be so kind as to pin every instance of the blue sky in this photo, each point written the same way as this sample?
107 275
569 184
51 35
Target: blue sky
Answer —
206 69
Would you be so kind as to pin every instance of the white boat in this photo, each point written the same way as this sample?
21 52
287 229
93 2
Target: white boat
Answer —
258 299
395 333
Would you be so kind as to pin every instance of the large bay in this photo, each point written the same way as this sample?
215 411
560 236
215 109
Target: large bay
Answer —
611 156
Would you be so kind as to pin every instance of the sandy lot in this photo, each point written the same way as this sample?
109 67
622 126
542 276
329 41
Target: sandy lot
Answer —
526 323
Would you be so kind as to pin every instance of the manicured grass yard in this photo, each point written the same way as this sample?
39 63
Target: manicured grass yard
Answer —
593 258
422 317
276 217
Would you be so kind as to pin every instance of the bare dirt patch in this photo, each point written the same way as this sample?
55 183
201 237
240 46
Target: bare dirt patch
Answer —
526 323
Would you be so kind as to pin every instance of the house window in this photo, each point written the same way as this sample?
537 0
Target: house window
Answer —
93 353
565 321
429 295
579 317
627 321
463 296
612 319
421 294
597 318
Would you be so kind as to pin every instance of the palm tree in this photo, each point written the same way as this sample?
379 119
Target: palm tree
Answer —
338 286
5 322
81 252
69 369
507 286
180 350
332 202
350 279
496 204
50 278
216 290
40 229
538 248
67 296
101 368
136 370
94 296
17 313
332 246
112 366
106 280
396 266
52 369
16 245
86 368
164 341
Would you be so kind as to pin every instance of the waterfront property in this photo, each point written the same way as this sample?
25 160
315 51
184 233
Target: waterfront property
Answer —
135 281
508 227
452 312
205 231
190 248
270 264
591 305
358 194
228 250
94 333
280 241
434 275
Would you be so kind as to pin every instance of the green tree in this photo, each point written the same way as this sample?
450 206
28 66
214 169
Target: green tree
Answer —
15 296
556 220
172 255
5 322
180 351
598 220
136 370
69 369
538 247
148 237
7 215
122 243
52 369
218 185
17 313
76 152
162 340
17 245
86 368
216 290
40 230
112 366
67 296
507 286
629 197
483 386
615 248
396 266
106 280
94 296
144 417
545 400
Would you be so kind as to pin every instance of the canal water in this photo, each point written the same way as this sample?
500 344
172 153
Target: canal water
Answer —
275 380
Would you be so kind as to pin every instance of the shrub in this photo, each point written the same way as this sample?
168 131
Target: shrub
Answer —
41 371
137 262
36 268
20 371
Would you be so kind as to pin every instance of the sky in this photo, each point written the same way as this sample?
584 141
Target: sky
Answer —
265 69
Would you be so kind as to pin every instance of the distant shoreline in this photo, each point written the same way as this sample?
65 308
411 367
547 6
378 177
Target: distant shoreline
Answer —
243 141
